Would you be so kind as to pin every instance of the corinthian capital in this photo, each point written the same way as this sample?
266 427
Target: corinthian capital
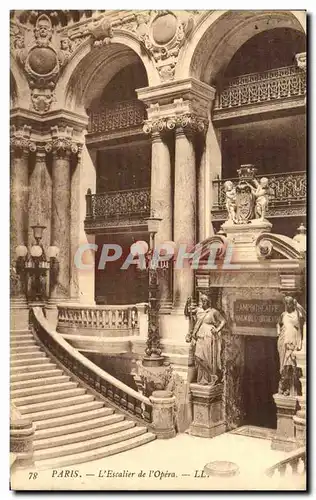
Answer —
20 142
188 122
191 123
159 125
62 144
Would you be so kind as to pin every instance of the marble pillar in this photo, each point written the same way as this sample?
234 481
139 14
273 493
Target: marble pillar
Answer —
60 224
184 212
20 149
161 206
163 414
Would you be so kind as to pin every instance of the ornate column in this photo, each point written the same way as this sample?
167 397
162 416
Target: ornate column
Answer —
161 197
20 148
62 146
185 206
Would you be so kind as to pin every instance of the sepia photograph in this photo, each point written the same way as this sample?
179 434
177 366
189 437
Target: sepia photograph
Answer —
158 239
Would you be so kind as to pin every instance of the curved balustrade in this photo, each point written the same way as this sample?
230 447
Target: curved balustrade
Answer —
293 464
255 88
124 397
104 321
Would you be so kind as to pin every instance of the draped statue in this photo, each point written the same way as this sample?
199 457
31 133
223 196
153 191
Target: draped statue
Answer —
290 337
206 324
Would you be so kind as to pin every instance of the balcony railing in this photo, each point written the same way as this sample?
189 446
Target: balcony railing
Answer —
116 116
272 85
118 205
107 321
287 195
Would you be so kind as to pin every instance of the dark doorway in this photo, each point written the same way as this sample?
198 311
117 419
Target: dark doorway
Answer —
261 377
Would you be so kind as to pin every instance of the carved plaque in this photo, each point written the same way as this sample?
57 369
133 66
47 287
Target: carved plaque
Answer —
257 313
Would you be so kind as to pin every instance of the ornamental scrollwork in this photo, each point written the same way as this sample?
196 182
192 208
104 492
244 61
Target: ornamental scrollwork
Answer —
188 122
20 142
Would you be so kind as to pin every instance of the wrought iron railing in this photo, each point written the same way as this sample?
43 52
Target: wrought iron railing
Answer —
116 116
118 204
276 84
121 320
120 394
286 188
293 464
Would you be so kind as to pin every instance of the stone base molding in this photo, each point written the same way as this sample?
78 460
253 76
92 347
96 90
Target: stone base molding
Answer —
163 414
19 314
284 438
207 402
21 438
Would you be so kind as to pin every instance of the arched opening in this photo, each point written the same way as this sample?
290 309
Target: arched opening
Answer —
258 118
122 158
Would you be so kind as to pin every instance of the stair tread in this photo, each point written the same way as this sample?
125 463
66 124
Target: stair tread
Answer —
63 412
102 452
70 428
37 374
52 403
52 395
67 449
30 391
73 418
82 436
25 384
35 360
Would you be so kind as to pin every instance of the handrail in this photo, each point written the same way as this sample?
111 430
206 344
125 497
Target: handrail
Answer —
108 386
293 460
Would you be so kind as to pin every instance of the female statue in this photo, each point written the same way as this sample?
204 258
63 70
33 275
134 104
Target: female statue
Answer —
205 338
289 328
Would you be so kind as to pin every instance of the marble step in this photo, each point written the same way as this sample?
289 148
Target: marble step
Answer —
52 396
78 425
62 404
27 348
39 389
95 454
82 436
22 355
20 332
32 368
90 411
91 444
21 335
22 342
39 381
40 359
64 411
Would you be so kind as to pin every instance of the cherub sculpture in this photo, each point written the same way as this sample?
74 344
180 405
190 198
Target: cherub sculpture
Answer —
230 193
261 194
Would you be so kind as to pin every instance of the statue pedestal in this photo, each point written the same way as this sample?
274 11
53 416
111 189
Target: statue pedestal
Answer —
163 414
284 438
207 406
243 237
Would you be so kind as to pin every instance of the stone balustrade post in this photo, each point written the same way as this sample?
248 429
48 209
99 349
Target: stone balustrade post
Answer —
163 414
21 438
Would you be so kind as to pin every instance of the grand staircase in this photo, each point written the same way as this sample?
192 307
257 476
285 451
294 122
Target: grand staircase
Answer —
72 425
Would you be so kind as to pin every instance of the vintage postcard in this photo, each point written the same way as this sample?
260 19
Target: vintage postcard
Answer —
158 250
